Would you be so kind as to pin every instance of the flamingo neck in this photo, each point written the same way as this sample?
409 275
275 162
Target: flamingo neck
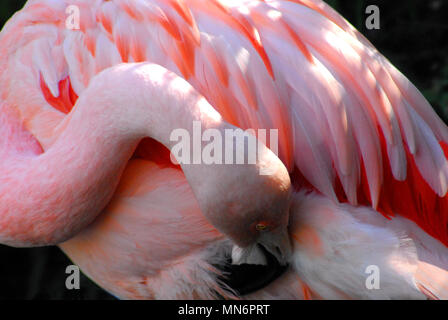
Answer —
47 199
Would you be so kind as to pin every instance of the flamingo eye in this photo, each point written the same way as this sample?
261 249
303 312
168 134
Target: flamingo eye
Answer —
261 226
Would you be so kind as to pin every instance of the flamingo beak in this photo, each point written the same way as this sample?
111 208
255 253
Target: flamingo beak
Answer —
278 244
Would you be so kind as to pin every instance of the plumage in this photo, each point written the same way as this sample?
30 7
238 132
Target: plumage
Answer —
351 127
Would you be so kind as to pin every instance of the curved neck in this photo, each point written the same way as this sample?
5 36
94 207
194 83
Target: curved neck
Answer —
49 198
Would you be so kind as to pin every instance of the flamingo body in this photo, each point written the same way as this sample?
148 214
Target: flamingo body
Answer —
365 151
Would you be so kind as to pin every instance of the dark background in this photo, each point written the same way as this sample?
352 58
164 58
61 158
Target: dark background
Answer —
413 36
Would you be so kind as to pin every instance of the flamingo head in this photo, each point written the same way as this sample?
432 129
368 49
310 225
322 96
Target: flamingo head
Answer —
250 205
264 224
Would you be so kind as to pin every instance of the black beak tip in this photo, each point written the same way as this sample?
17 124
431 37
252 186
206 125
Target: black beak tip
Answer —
247 278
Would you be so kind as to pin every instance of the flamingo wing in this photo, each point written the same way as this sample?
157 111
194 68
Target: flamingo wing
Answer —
362 133
350 125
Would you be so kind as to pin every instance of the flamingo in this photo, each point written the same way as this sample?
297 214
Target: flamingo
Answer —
365 152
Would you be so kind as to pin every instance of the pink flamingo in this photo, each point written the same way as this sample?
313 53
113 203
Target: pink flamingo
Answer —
364 149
